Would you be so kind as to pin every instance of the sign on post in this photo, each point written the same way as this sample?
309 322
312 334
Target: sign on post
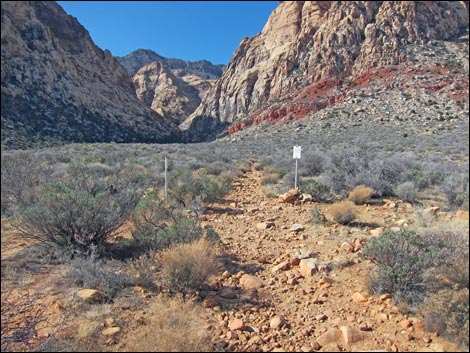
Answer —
296 155
297 150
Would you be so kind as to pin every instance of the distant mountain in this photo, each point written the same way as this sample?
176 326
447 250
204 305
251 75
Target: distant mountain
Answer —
58 86
172 87
134 61
314 54
165 93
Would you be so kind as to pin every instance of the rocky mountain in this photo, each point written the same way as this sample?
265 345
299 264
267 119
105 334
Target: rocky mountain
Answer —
173 88
314 54
57 85
134 61
168 95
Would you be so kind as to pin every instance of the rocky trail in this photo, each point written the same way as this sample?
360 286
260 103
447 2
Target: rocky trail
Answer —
293 285
288 283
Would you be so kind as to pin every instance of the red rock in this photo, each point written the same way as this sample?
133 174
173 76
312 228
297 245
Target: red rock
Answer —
406 323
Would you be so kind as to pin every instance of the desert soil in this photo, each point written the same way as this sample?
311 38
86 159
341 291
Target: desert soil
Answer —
265 300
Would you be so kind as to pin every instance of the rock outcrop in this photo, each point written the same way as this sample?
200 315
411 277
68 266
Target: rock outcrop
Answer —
320 45
165 93
58 86
173 88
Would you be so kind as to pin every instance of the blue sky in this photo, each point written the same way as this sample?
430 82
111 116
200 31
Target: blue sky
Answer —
189 30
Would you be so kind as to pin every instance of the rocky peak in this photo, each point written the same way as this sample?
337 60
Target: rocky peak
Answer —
165 93
142 57
58 85
171 87
319 43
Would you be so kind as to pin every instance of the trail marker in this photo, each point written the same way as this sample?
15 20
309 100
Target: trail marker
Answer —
296 154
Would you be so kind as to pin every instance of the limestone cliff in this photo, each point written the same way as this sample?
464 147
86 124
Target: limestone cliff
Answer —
58 86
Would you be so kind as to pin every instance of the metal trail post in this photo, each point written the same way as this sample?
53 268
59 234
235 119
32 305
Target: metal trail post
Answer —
166 179
296 155
296 160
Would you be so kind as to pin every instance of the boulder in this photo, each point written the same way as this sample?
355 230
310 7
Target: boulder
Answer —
249 281
91 295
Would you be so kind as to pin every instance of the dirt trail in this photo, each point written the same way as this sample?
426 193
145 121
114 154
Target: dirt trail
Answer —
292 311
279 308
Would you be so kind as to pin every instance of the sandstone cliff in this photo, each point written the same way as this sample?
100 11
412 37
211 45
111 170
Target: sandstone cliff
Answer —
165 93
309 52
57 85
173 88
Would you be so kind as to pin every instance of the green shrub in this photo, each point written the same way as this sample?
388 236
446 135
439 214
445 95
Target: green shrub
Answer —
188 188
316 188
78 213
360 194
343 212
402 259
317 216
159 225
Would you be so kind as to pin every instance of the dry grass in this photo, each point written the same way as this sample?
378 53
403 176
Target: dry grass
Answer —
174 326
268 191
360 194
270 178
187 267
343 212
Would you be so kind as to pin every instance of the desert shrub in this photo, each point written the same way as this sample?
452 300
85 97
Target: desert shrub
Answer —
245 167
78 213
402 259
92 272
445 307
188 188
456 189
159 225
21 178
145 268
312 163
406 191
360 194
451 256
269 191
343 212
347 167
446 312
282 171
174 326
316 188
271 178
186 267
317 216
